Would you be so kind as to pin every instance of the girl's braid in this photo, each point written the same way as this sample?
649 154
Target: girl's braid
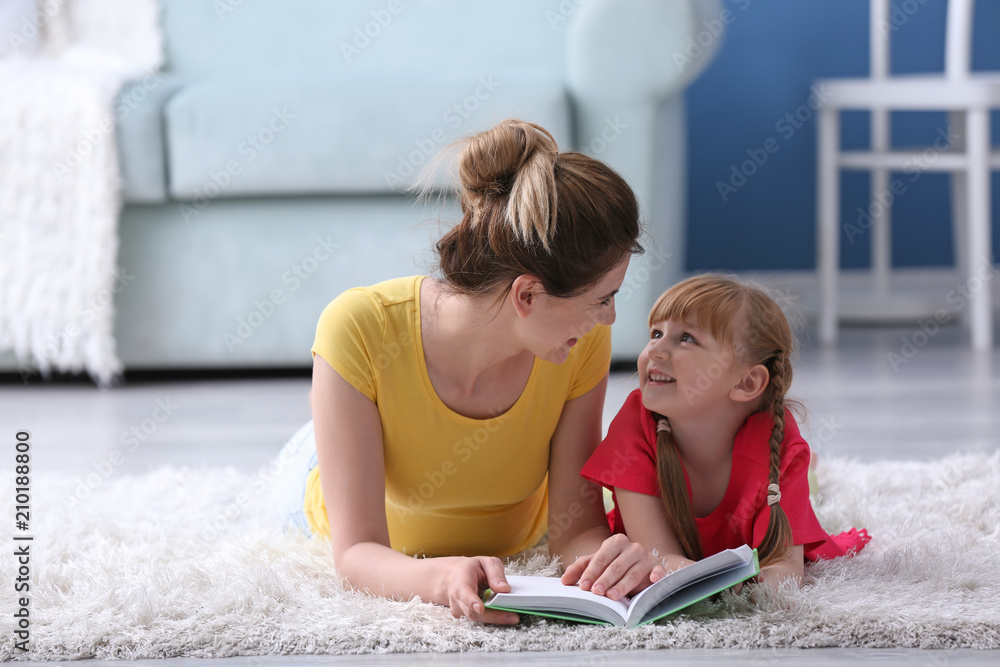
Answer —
778 538
673 492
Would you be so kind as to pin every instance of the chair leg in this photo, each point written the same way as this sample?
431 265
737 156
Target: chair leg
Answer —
881 249
980 256
828 213
960 204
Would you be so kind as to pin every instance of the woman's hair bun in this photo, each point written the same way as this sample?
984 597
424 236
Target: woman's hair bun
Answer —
514 160
510 178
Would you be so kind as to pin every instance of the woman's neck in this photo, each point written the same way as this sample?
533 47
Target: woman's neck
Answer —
477 337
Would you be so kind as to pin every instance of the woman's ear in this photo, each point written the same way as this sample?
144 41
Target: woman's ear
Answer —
751 385
523 294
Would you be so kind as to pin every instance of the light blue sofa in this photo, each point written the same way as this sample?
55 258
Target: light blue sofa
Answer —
263 169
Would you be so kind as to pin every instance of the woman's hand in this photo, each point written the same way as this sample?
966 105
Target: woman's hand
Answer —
619 568
466 578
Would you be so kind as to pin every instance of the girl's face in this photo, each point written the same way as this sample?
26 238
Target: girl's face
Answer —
685 371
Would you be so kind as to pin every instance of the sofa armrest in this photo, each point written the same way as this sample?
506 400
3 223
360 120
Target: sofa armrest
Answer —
138 116
641 49
627 65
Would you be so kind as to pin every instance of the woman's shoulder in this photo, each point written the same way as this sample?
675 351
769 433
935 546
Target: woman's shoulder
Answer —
368 302
385 293
366 314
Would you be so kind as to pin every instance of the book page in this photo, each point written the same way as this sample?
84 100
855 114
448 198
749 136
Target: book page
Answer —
696 592
548 593
706 567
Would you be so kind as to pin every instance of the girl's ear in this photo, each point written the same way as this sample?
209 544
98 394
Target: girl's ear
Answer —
523 294
751 385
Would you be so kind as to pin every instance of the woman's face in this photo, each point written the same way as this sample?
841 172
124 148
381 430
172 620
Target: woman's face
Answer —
561 322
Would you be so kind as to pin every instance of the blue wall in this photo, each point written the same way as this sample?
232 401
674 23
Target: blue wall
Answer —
771 53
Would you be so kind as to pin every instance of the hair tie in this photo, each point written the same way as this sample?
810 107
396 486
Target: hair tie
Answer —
773 494
663 425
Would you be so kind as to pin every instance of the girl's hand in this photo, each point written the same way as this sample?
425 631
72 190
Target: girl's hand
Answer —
619 568
466 578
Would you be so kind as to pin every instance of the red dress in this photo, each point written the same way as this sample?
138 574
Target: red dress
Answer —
627 459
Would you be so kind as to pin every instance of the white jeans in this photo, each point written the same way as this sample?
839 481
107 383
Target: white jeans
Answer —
294 462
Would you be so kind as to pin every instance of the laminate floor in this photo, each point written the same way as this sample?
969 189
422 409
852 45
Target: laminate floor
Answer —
877 395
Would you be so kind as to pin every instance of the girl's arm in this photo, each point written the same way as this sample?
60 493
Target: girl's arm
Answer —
792 565
352 475
578 526
646 522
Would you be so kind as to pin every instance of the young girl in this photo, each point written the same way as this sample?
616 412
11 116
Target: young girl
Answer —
705 455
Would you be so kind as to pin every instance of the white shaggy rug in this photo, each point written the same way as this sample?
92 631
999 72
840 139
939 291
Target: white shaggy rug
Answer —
182 562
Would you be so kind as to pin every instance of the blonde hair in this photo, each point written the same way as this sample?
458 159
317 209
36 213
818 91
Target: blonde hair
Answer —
564 218
748 320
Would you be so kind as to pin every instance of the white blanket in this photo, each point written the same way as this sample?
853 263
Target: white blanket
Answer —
60 189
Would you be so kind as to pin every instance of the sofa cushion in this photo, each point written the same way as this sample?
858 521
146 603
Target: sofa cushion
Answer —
232 137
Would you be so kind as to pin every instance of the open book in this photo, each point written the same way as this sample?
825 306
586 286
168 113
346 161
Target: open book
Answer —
547 596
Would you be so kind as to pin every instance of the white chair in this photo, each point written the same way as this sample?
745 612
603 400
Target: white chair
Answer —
968 98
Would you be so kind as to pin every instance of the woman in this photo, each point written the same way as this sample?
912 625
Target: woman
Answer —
451 416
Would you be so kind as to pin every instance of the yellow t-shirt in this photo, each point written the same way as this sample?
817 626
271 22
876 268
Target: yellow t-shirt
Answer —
454 485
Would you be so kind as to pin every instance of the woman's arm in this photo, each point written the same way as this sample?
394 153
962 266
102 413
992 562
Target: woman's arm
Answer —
352 475
578 526
577 522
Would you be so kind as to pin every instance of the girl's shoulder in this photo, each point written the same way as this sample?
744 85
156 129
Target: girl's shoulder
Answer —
626 457
636 417
754 435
